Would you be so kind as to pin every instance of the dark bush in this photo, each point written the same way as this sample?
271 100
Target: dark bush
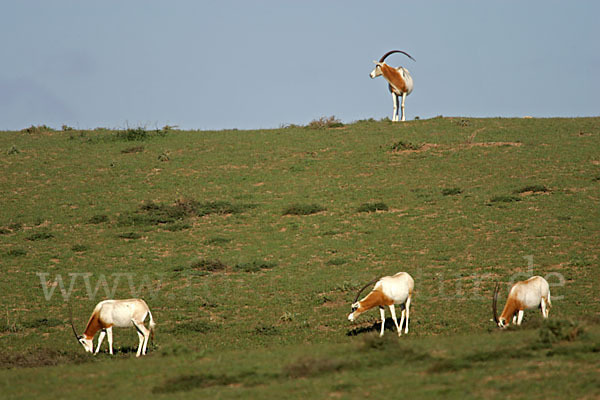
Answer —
402 146
40 236
208 265
533 188
303 209
372 207
451 191
98 219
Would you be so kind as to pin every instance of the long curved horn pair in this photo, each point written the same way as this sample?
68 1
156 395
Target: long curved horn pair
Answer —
363 288
395 51
495 303
71 321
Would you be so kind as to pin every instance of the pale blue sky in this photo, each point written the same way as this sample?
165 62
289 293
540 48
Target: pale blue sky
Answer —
262 64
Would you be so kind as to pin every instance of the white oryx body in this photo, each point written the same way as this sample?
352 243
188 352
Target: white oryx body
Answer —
400 83
388 291
121 314
532 293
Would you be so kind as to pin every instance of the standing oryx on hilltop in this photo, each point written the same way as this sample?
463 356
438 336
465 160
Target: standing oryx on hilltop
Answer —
388 291
399 80
119 313
534 292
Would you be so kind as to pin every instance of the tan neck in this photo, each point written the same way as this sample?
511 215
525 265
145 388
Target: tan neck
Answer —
374 299
511 307
93 326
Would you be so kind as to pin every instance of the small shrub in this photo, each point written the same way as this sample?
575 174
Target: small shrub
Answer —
372 207
303 209
208 265
98 219
504 199
403 146
15 226
78 248
11 326
451 191
152 213
40 236
533 188
37 129
16 253
254 266
13 150
325 122
164 156
266 330
130 235
133 134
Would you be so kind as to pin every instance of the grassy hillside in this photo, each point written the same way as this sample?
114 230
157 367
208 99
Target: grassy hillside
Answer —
249 247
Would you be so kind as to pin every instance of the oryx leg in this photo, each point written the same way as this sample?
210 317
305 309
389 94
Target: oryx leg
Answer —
382 313
403 98
100 339
110 340
520 317
395 114
514 319
407 309
398 327
544 306
143 334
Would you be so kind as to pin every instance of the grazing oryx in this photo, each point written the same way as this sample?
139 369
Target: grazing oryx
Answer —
399 80
119 313
388 291
534 292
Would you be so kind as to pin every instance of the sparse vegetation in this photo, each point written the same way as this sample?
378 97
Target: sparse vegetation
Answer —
325 123
251 303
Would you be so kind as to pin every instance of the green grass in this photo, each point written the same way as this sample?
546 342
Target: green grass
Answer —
249 247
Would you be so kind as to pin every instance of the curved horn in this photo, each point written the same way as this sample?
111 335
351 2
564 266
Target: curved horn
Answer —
71 321
363 288
395 51
495 303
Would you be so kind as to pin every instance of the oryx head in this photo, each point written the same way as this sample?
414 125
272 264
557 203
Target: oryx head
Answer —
353 315
501 322
87 344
